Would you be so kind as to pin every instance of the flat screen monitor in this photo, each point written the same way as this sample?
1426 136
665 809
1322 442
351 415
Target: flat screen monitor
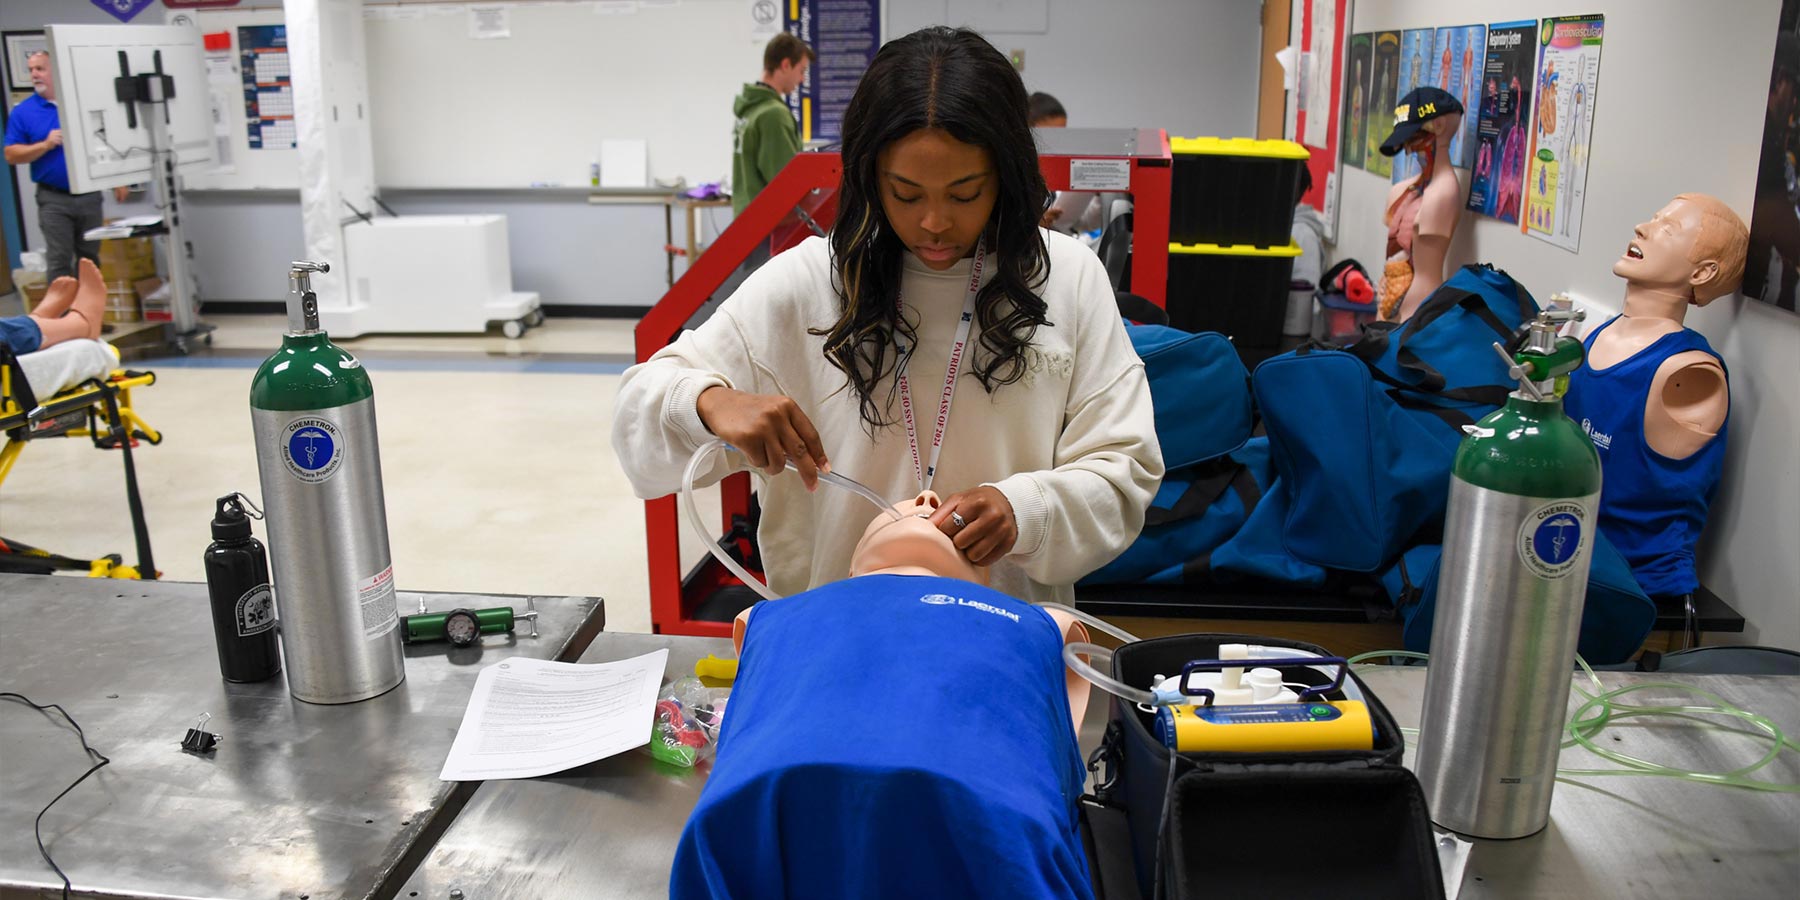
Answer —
102 146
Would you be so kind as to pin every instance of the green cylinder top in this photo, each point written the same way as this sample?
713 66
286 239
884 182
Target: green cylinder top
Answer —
309 372
1529 448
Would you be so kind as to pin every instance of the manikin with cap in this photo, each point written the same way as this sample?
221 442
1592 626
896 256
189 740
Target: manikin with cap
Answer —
903 732
1652 393
1423 210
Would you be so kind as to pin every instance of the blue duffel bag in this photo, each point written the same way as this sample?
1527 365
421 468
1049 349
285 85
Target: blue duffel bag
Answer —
1199 389
1201 395
1196 509
1363 437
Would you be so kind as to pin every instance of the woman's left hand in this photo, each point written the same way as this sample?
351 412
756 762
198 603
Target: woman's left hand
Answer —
988 530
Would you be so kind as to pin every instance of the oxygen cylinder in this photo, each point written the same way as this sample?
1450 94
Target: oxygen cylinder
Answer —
313 409
1524 494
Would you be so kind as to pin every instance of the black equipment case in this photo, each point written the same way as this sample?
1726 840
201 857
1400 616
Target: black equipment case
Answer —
1337 823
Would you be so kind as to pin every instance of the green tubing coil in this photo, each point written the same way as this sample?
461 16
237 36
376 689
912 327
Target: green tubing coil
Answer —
1602 708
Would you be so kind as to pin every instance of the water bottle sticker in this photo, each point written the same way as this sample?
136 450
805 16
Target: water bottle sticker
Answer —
380 608
312 449
1550 540
255 611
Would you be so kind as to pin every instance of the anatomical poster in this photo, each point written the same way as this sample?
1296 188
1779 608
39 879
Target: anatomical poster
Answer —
1497 182
1382 97
1460 53
1568 75
1355 114
1418 67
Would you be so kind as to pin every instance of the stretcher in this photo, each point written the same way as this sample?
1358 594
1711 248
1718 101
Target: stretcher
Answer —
98 408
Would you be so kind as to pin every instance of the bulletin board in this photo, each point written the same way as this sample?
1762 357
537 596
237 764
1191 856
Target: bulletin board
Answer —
528 103
1320 30
241 167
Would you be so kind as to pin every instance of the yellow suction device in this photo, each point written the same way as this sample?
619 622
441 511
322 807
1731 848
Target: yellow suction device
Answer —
1313 723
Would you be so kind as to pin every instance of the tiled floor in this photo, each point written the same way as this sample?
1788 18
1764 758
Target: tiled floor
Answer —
498 465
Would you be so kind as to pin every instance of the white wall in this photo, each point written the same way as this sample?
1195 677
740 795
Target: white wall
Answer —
1189 66
1185 65
1680 108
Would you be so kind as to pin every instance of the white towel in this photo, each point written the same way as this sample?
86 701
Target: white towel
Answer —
67 364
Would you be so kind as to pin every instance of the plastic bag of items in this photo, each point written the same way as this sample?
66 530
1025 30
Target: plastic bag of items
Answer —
688 715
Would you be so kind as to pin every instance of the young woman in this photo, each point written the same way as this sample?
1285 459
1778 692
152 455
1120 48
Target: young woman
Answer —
937 340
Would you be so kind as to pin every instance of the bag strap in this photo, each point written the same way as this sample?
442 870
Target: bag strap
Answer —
1527 306
1455 418
1435 308
1204 492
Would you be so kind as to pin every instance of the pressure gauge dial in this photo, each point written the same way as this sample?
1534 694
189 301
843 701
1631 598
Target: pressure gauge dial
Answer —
461 628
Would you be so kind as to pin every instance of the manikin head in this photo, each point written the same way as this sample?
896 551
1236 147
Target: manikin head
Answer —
911 546
1693 247
39 64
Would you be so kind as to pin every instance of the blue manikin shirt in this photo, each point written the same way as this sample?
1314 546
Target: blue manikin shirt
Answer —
892 736
1652 508
30 123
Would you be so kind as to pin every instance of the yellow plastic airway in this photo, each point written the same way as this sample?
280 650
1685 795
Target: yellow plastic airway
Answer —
714 667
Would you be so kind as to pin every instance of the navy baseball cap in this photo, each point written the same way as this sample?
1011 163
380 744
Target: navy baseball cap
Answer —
1414 110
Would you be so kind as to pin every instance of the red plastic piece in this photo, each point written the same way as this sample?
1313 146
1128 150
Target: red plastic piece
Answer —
217 41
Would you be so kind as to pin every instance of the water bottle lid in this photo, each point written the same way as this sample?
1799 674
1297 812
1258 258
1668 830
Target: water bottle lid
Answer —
230 522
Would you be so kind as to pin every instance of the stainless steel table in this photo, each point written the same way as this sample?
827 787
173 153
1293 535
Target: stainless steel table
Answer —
1647 837
299 801
609 829
606 829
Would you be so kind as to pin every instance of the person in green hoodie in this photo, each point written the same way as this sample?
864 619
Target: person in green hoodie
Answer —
764 138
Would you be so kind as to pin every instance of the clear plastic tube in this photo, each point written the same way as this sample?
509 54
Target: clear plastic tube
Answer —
1089 669
858 488
692 510
1602 708
1097 624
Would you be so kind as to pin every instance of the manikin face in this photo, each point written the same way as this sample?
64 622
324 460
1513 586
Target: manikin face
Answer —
937 193
1661 252
912 543
790 76
40 76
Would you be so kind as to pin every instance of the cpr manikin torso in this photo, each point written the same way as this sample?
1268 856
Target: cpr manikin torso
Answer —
1421 217
1689 254
902 732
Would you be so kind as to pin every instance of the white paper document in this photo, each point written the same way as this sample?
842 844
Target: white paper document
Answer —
531 717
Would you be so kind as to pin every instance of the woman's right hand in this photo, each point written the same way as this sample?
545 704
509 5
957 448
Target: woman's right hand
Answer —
769 429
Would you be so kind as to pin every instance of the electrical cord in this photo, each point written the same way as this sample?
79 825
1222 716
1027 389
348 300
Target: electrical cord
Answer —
37 824
122 154
1601 708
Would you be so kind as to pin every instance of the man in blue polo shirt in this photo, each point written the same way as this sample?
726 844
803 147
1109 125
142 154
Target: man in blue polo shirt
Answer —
34 135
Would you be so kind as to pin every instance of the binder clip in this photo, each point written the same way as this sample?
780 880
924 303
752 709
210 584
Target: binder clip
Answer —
198 739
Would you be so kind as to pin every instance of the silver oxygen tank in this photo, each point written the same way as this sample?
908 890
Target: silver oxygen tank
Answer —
313 410
1524 495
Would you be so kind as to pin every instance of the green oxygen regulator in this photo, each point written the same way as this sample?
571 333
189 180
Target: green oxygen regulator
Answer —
1543 364
463 627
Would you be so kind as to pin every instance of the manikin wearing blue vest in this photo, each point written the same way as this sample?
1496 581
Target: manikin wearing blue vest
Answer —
1653 395
905 732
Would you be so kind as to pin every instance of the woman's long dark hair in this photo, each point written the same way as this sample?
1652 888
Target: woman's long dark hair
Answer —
951 79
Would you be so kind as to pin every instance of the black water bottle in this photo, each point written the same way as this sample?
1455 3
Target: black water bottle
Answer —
243 607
